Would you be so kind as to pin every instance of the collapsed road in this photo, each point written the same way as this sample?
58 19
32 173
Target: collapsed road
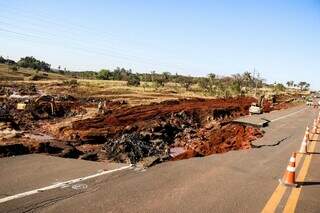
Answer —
71 127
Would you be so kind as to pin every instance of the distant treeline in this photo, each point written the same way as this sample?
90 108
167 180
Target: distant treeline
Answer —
212 84
27 62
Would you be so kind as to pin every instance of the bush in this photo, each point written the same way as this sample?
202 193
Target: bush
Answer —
133 80
104 74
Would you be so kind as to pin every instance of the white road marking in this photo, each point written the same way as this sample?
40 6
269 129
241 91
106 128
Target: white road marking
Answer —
61 184
288 115
79 186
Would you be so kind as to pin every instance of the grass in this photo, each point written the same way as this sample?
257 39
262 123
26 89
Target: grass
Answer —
118 90
23 74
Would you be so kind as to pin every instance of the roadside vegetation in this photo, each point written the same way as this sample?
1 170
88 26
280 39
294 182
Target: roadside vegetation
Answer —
125 81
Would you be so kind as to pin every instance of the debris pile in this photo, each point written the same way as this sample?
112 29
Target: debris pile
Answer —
18 89
132 148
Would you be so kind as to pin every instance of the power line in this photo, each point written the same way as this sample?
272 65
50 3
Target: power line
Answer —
46 19
99 53
101 49
76 28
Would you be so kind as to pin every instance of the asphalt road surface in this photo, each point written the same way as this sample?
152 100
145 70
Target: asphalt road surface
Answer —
237 181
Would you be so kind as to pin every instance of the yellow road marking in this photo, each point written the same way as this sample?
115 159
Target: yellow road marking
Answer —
295 193
277 195
275 198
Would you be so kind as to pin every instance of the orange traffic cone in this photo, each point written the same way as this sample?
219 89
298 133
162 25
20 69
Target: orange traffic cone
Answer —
289 178
304 144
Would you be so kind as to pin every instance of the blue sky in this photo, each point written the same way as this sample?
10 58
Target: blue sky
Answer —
280 39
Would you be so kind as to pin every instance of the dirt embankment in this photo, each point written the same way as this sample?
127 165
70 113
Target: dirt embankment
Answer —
138 118
152 133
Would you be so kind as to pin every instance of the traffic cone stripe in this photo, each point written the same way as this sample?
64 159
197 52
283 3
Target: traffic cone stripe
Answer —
292 159
291 169
289 176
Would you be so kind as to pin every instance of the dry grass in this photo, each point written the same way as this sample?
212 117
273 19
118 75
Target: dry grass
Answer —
118 90
23 74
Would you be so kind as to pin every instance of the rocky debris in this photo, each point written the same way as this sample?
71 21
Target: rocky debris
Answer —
7 131
40 108
132 148
8 89
4 112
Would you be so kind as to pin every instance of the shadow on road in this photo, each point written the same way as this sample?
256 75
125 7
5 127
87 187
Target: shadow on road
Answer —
314 140
313 153
311 183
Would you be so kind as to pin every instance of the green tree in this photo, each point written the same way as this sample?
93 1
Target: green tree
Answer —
31 62
290 83
133 80
104 74
166 76
303 85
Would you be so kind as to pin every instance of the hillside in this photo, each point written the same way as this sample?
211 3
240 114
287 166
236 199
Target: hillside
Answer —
7 74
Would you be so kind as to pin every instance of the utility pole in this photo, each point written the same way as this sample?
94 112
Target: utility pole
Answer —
256 77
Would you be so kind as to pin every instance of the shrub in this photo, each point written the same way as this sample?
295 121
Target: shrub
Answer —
133 80
104 74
